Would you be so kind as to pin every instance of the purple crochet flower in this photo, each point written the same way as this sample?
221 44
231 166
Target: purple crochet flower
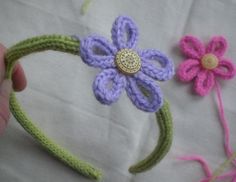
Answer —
124 67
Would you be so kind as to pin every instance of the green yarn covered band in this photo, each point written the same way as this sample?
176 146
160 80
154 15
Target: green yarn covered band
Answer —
71 45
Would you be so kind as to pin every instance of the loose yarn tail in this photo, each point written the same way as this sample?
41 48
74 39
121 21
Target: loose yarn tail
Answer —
224 123
220 169
217 174
201 161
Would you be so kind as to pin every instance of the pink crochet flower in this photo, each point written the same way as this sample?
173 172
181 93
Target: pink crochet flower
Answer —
204 63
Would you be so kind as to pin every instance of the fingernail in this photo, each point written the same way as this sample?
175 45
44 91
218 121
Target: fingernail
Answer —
6 88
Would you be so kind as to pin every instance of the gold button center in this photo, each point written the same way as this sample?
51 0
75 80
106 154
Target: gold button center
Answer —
209 61
128 61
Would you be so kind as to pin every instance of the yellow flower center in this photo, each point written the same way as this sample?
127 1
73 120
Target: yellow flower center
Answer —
128 61
209 61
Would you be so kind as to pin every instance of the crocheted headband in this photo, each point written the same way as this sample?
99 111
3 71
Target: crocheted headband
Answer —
205 65
124 66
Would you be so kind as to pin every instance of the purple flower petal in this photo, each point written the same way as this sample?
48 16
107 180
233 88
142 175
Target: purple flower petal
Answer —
156 65
96 51
108 86
124 33
144 93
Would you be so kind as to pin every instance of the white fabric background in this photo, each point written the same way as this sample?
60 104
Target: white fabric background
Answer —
60 100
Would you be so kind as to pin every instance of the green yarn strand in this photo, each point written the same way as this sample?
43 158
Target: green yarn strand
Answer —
37 44
164 120
82 167
71 45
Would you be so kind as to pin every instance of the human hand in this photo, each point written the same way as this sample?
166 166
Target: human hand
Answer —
18 83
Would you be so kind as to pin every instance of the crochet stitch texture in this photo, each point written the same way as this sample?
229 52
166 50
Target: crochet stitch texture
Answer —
71 44
203 66
204 71
98 52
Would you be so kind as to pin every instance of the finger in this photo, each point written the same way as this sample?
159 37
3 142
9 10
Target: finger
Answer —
18 78
2 65
5 91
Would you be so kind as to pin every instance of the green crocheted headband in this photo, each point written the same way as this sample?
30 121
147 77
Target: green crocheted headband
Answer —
123 65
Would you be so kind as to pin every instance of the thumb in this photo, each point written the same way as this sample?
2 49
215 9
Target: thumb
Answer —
5 91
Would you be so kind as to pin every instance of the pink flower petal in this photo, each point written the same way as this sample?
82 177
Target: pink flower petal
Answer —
192 47
217 46
225 69
188 70
204 82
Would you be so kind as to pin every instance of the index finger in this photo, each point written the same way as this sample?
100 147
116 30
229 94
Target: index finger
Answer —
18 77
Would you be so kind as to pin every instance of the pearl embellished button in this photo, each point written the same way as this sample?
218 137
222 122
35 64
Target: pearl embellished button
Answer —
128 61
209 61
